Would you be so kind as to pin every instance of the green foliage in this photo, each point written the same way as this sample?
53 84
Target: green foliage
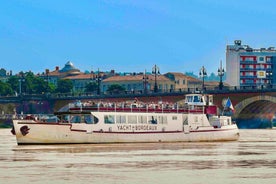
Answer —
5 89
191 74
30 84
13 81
91 87
211 77
35 85
115 88
64 86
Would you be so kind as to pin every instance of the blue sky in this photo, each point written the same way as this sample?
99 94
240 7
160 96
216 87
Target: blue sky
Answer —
130 35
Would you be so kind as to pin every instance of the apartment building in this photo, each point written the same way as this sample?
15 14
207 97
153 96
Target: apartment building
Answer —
249 67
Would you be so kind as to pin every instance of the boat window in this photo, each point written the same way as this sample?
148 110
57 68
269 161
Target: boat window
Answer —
65 118
89 119
196 119
109 119
75 119
174 118
152 120
120 119
132 119
162 120
142 119
196 99
96 120
189 99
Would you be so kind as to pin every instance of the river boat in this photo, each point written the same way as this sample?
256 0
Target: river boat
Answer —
194 119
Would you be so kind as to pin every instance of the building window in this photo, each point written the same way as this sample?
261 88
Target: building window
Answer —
160 86
261 59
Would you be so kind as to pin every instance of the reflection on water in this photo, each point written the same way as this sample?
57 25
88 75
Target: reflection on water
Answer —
252 159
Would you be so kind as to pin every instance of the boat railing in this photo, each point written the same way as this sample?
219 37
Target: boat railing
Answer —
154 108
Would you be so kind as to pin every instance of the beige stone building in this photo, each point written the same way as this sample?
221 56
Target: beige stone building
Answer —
183 82
139 83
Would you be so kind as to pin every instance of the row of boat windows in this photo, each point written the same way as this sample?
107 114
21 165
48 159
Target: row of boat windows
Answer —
134 119
89 119
120 119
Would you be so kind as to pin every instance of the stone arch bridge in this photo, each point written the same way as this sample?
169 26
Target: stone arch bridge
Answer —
247 104
250 105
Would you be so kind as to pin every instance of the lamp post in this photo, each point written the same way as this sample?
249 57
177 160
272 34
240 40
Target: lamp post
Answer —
21 79
40 108
155 71
220 74
47 78
202 73
145 82
98 80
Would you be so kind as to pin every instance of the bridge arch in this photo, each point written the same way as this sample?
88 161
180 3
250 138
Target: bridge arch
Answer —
243 104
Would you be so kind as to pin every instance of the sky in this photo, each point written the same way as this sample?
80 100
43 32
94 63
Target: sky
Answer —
130 35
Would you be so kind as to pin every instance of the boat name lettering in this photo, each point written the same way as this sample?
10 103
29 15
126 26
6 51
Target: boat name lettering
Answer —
137 127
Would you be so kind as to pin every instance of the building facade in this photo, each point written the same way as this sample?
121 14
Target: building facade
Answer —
4 75
184 82
248 67
139 83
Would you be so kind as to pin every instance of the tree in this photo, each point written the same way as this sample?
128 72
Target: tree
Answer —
5 89
212 77
115 89
91 87
64 86
13 81
191 74
32 84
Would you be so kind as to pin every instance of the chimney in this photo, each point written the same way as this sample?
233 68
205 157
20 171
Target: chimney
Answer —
57 68
47 71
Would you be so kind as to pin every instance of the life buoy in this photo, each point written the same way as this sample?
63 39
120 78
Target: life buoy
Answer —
24 130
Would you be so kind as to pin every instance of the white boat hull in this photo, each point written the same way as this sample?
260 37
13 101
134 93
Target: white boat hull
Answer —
56 133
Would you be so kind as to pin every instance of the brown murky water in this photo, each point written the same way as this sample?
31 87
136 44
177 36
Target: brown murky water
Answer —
252 159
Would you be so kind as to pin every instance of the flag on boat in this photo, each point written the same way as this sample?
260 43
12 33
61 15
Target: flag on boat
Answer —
228 104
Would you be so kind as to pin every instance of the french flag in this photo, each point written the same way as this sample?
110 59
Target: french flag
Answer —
228 104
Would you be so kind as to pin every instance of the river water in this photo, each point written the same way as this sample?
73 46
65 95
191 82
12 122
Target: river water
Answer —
252 159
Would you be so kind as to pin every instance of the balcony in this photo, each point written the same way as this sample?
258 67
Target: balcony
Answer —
248 62
248 77
247 69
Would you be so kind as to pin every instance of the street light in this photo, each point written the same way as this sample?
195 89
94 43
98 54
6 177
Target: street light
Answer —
202 73
145 82
98 80
21 79
47 78
220 74
155 71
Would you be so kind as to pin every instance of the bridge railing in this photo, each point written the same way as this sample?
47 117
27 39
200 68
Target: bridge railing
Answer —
180 91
